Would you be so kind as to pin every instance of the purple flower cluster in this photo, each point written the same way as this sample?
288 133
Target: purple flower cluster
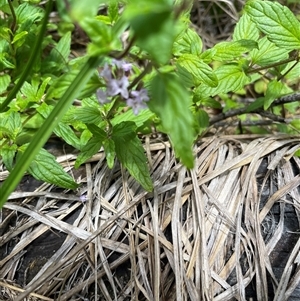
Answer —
117 83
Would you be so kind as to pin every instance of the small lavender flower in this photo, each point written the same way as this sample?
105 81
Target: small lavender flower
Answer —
102 96
122 65
115 87
137 100
106 73
83 198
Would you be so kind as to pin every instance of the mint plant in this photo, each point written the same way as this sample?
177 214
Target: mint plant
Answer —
144 67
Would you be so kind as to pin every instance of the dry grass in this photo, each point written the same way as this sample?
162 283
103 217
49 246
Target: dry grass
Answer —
203 234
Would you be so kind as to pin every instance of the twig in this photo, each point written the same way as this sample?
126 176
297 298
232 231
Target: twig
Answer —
282 100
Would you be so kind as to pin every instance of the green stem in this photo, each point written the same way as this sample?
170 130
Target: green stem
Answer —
14 23
254 70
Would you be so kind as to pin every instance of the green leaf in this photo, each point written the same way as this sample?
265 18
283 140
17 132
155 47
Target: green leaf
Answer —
296 124
61 130
275 89
87 151
67 134
4 82
81 10
170 101
187 42
45 168
11 124
277 22
201 72
27 14
41 91
8 152
87 115
101 35
186 77
19 38
231 77
211 103
139 119
58 57
29 91
257 104
245 29
61 85
5 33
228 51
124 131
131 153
202 119
267 53
110 153
113 10
5 62
153 27
93 145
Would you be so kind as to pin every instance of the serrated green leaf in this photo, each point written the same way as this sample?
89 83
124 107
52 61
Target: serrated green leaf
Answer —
84 9
92 146
96 131
61 130
277 22
187 42
34 122
87 151
211 103
275 89
87 115
231 77
5 62
19 38
113 11
110 153
29 91
41 91
61 84
153 24
258 103
186 77
131 154
202 121
5 132
100 35
296 124
8 152
5 33
62 49
267 53
245 29
4 82
11 124
124 130
207 56
67 134
45 168
139 119
228 51
170 101
59 55
201 72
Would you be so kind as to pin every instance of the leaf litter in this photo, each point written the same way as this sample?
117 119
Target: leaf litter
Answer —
209 233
